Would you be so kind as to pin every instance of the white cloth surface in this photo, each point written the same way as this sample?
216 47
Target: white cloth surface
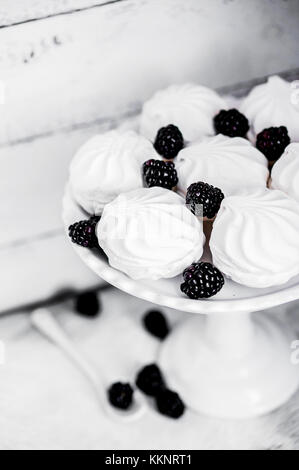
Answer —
45 403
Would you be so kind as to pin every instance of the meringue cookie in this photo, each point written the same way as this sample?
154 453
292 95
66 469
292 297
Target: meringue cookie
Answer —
150 234
285 172
107 165
190 107
226 163
255 238
271 104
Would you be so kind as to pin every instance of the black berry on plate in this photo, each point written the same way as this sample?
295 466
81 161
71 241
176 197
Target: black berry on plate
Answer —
272 142
169 142
231 123
170 404
204 199
121 395
156 323
150 380
201 281
160 173
87 304
83 233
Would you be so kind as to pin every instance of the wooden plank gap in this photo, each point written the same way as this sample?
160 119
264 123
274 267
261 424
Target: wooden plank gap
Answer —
113 122
26 241
63 13
242 89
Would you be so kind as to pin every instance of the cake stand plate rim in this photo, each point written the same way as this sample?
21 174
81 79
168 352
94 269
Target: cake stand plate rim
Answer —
122 282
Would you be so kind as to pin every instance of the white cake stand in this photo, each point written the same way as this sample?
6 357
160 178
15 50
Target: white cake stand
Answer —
224 360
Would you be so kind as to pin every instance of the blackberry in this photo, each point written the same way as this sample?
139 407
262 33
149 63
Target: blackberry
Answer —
87 304
121 395
150 380
170 404
204 200
83 233
159 173
231 123
169 142
202 280
272 142
156 324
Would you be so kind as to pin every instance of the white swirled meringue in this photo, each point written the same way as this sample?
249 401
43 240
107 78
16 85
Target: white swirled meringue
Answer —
255 238
107 165
272 104
285 172
150 234
230 164
190 107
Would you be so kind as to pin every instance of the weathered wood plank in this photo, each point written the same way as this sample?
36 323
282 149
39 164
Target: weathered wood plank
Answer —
38 270
36 259
102 62
21 11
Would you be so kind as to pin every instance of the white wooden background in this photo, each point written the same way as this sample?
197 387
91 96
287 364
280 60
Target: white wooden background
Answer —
71 68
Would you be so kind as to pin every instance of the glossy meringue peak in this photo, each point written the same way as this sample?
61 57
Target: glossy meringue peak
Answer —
150 234
285 172
255 238
230 164
108 165
273 104
191 108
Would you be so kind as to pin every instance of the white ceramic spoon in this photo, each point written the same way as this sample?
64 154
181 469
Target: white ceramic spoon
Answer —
45 323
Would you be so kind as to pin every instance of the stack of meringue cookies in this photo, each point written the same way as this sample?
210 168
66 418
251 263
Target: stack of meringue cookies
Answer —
199 178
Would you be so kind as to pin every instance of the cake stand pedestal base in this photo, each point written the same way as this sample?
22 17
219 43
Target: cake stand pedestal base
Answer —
232 365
